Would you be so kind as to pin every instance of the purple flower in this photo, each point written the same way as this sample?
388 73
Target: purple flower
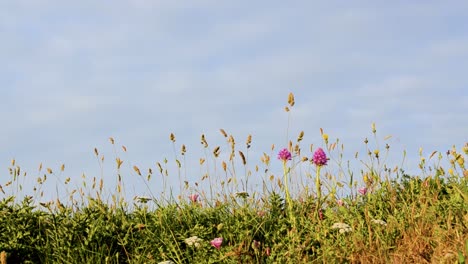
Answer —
284 155
217 242
319 158
363 190
193 198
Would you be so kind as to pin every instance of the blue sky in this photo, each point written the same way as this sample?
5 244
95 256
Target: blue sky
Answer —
74 74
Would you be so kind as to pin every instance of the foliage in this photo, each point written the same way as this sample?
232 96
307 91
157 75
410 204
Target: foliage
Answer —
393 217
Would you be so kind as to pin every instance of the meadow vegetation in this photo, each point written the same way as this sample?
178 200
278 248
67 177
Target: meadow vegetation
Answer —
315 210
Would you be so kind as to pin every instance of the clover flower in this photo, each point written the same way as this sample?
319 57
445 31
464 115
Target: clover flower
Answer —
284 155
343 228
193 241
319 158
378 221
363 191
340 202
193 198
217 242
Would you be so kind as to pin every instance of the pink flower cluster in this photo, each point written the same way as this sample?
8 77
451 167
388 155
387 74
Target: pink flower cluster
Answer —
217 242
319 158
284 155
193 198
363 191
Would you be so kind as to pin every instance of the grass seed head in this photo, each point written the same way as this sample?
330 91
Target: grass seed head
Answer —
223 133
300 137
137 170
244 161
291 99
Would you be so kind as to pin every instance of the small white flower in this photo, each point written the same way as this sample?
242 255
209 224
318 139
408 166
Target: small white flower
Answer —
343 228
193 241
378 221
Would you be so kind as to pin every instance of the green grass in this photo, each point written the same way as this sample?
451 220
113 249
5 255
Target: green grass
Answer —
400 219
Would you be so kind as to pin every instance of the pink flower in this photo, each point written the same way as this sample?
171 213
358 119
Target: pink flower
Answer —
340 202
284 155
363 190
319 158
217 242
261 213
321 214
268 251
193 198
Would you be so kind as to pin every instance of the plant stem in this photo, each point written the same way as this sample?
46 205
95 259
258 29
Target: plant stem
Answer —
288 195
319 189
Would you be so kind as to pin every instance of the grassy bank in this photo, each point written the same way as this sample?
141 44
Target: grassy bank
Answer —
384 215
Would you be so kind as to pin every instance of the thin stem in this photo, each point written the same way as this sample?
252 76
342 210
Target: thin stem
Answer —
288 195
319 189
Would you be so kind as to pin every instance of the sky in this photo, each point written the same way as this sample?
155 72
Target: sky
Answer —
75 73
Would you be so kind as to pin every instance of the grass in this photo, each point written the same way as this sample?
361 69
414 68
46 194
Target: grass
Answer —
323 213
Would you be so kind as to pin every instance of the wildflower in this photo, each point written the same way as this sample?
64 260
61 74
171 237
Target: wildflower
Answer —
376 153
193 241
321 214
261 213
363 191
167 262
320 158
194 197
268 251
256 245
325 137
217 242
465 148
284 155
340 202
343 228
378 221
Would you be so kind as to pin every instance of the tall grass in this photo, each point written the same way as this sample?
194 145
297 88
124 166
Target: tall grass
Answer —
314 211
